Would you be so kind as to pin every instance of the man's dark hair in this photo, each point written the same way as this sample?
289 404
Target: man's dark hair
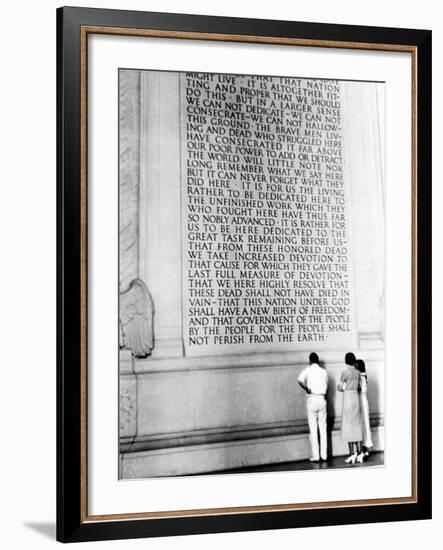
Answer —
313 357
350 359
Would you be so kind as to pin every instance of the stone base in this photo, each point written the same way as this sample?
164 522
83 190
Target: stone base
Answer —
198 459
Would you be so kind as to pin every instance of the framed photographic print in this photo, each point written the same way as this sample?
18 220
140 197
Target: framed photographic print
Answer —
244 274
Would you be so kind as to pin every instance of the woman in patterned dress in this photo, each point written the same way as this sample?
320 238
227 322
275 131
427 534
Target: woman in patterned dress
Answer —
352 421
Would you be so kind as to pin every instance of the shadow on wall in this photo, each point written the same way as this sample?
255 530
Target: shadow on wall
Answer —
374 390
46 529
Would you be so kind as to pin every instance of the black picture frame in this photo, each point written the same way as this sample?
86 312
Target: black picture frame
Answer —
72 521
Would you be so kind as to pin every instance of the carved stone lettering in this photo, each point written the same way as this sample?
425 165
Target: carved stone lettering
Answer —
266 251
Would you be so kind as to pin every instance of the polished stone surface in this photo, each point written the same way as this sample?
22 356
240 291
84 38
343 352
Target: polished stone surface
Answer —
375 459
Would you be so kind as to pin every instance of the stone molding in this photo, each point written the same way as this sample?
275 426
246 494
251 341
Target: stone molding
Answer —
232 433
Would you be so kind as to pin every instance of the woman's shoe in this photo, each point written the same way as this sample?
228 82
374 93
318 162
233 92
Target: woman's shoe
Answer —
351 459
360 458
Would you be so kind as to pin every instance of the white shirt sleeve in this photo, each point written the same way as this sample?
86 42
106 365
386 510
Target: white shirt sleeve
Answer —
303 376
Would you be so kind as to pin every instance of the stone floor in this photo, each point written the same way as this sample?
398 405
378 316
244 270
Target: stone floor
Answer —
374 459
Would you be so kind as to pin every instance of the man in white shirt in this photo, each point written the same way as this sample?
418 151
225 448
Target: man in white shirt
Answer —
314 380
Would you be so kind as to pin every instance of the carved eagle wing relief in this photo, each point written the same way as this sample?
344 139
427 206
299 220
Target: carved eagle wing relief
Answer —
136 319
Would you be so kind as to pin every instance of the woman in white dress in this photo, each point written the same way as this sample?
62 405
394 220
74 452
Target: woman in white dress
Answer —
352 417
367 437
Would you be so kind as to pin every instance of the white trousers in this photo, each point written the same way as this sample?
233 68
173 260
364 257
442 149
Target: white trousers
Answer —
316 408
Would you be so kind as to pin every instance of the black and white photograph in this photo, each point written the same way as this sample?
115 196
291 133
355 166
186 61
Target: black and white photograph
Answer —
218 315
251 273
